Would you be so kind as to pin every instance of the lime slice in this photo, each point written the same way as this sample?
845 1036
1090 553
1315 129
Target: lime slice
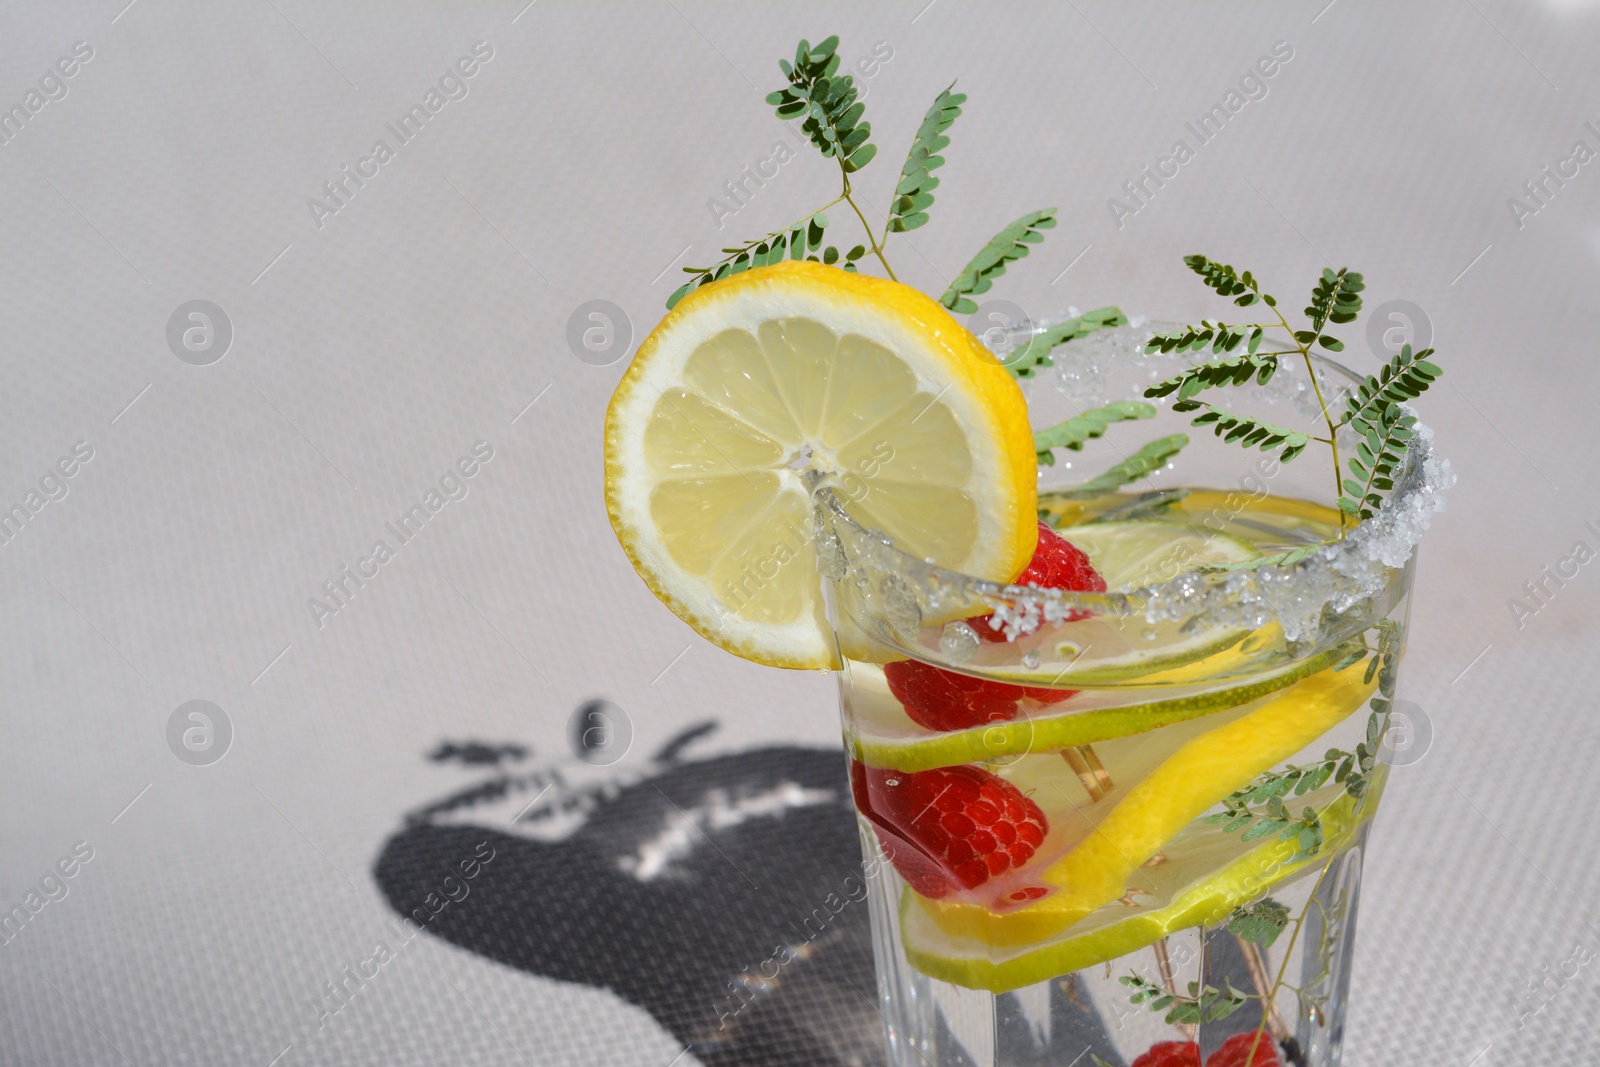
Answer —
879 732
1129 555
1109 652
1206 875
1101 650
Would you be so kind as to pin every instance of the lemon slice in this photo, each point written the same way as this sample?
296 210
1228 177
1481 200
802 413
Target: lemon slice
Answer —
757 390
1183 787
1206 875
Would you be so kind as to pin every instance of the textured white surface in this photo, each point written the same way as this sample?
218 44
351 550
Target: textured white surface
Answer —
372 352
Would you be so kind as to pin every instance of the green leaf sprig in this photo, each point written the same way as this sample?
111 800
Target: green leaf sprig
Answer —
914 193
1335 298
833 116
1150 457
1072 433
1260 922
1010 244
1036 353
826 103
1273 815
1373 412
1405 377
798 240
1203 1004
1377 458
1247 431
1232 370
1259 808
1385 664
1386 431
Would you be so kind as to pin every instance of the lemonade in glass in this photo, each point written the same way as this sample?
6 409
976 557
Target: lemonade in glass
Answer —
1147 786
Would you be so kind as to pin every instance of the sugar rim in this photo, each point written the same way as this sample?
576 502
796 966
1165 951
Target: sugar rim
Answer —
1341 574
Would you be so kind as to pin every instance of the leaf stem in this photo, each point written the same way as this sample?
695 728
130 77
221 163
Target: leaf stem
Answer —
1256 963
1333 431
1164 964
874 247
823 208
1288 954
802 220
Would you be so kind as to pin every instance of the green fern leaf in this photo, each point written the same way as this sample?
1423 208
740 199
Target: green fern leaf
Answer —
1246 431
1234 370
827 100
1260 922
1405 377
1389 436
914 192
1009 244
792 242
1074 432
1242 289
1036 353
1218 336
1335 298
1152 457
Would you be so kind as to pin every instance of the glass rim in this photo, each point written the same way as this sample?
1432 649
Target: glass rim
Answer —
1373 555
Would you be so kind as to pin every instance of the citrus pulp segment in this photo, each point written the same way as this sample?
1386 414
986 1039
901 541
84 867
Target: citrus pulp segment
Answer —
758 390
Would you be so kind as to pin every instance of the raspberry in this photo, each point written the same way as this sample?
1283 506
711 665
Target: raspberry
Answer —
1170 1054
1056 564
944 700
1236 1051
948 829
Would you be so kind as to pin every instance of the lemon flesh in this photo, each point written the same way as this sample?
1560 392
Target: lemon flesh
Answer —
758 390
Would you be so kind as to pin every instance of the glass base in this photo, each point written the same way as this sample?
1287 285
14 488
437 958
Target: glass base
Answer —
1087 1018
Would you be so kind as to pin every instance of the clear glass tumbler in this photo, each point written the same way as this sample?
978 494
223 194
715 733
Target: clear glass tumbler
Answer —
1149 851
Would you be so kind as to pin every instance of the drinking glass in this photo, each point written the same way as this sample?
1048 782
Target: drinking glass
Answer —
1160 901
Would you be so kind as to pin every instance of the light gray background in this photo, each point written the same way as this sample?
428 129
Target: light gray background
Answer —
427 314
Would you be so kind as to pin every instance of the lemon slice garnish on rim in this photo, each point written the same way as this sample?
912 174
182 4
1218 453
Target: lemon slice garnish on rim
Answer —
757 390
